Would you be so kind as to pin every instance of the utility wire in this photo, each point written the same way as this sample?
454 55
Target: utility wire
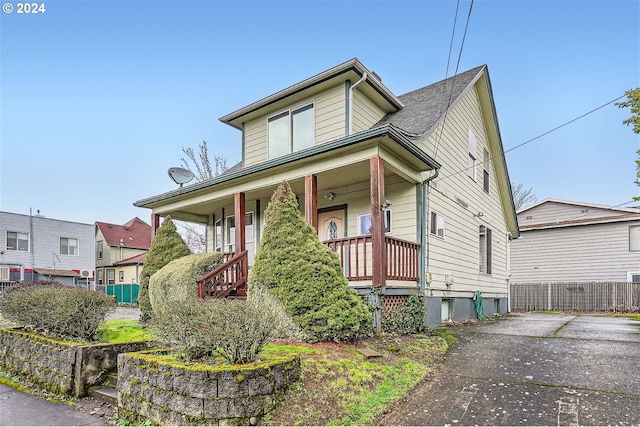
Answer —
464 36
534 138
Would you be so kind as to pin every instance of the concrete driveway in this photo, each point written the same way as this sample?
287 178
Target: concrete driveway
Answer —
534 369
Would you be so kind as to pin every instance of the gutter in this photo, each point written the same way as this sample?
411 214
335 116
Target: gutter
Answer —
350 123
424 248
386 130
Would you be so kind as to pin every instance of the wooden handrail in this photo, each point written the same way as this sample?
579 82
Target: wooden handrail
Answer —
355 257
230 276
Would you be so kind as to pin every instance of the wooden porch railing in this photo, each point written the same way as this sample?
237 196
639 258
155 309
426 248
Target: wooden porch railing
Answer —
357 261
230 276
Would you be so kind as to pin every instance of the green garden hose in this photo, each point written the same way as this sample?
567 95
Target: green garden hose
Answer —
477 300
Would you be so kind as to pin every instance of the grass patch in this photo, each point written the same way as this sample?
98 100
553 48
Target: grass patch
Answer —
340 386
632 316
121 331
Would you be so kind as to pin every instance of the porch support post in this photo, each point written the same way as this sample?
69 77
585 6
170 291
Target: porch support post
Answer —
311 201
378 252
239 211
155 224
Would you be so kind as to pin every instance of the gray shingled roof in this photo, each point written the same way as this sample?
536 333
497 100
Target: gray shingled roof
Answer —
423 107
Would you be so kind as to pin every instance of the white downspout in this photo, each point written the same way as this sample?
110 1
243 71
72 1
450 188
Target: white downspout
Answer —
364 77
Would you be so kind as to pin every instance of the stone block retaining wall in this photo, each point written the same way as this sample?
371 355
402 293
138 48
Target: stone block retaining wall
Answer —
62 367
173 393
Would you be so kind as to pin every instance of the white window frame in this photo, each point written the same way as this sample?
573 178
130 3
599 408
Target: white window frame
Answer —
486 184
634 238
290 129
68 246
436 226
249 232
363 217
218 234
473 155
630 275
485 249
18 239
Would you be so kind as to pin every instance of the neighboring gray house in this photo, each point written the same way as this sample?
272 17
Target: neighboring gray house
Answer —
33 247
562 241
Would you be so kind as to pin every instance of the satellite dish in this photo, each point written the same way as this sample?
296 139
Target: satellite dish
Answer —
180 175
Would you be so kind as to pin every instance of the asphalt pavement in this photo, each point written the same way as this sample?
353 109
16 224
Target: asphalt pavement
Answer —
534 369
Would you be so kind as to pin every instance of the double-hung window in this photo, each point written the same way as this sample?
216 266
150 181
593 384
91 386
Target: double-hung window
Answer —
485 170
291 131
485 249
634 238
68 246
437 224
473 153
17 241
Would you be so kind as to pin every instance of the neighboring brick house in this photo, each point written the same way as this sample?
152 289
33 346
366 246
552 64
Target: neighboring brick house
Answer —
33 247
120 251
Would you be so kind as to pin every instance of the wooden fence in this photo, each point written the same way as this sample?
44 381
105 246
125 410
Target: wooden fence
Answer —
576 296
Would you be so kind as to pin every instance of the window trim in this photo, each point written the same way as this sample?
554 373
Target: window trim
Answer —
100 249
437 225
473 156
69 246
17 239
290 113
485 249
387 222
636 247
485 170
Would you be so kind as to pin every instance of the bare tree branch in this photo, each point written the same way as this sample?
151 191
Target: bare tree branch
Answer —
521 197
202 164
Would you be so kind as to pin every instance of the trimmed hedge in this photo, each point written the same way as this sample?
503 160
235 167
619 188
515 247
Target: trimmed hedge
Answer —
178 280
56 309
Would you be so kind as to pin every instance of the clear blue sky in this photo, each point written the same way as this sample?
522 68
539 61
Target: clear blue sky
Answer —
98 98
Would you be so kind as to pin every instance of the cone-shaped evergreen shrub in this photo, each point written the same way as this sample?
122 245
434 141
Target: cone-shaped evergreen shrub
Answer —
166 246
305 275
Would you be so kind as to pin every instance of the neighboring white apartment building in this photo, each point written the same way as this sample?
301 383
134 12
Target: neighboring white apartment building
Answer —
564 241
33 247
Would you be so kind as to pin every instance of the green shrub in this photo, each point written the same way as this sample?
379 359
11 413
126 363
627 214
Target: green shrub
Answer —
408 318
305 275
234 329
283 325
56 309
166 246
178 280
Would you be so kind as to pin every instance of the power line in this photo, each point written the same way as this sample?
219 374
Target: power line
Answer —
535 138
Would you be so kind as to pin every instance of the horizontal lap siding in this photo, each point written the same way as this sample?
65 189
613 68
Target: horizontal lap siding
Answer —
330 115
365 112
255 142
554 211
458 252
596 252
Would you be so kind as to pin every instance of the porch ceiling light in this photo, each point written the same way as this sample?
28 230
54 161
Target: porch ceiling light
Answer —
330 196
386 205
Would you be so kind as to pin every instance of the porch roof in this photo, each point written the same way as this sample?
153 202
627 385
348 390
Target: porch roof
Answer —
420 157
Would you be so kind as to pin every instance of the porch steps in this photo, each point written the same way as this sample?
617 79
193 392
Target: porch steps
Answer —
107 393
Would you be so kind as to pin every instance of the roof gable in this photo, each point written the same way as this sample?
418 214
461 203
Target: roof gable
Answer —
423 107
133 234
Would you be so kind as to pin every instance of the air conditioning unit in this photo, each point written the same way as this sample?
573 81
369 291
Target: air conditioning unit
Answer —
85 273
4 274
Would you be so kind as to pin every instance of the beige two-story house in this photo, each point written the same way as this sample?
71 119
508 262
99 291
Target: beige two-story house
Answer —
411 191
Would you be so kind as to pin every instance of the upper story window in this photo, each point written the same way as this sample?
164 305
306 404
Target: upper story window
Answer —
473 155
485 169
291 130
68 246
100 249
17 241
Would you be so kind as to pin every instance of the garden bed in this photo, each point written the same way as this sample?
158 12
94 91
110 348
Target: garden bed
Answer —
175 393
61 367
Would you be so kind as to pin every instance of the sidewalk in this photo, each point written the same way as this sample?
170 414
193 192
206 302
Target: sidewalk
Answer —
19 409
